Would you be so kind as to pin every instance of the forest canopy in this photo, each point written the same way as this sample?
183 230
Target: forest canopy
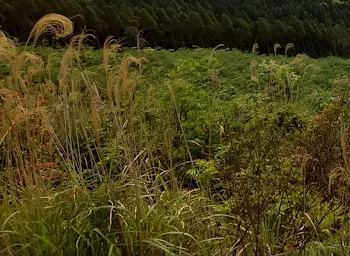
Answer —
316 28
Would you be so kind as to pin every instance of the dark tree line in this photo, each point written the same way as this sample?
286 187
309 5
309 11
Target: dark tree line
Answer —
316 28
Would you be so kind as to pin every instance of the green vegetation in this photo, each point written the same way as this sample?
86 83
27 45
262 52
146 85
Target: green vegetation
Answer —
317 28
193 152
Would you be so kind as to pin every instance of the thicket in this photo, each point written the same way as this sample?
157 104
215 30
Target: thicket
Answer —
105 153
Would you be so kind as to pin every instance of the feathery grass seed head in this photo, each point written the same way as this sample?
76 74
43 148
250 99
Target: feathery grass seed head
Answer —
53 24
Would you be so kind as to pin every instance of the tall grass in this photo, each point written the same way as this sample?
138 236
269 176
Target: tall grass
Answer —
255 48
57 197
95 164
55 25
276 47
289 46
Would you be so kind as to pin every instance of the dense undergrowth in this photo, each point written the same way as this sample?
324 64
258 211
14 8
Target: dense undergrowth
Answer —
201 152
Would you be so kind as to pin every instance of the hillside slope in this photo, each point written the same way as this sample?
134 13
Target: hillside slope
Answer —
316 28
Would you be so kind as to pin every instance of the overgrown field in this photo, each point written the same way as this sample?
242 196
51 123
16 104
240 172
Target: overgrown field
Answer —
193 152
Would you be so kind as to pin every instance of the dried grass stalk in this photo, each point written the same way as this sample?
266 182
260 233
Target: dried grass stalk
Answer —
53 24
289 47
255 48
7 48
276 47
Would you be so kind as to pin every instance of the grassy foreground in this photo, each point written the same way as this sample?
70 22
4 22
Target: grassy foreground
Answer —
194 152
